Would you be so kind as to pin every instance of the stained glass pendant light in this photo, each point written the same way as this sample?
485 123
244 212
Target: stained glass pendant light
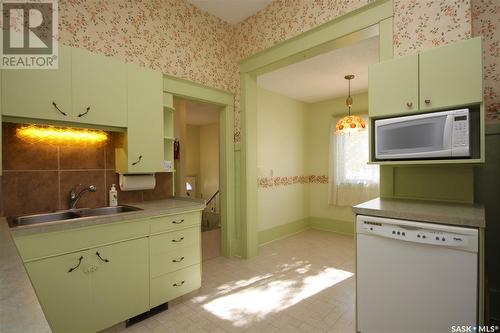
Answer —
349 124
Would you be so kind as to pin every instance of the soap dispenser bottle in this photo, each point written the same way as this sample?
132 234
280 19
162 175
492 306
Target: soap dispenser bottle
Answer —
113 196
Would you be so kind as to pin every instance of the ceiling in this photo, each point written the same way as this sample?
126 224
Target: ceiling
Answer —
232 11
198 113
322 77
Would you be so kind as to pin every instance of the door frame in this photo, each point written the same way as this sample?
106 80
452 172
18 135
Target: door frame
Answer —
193 91
334 34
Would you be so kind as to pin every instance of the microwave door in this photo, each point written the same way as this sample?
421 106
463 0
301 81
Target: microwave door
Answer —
413 137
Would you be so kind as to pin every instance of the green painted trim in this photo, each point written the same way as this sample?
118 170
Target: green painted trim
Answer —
282 231
492 128
286 52
386 50
20 120
337 226
353 21
249 218
195 91
343 41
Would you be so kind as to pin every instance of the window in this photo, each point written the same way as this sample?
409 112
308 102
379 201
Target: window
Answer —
352 180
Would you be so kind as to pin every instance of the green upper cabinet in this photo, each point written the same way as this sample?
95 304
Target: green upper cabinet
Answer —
99 89
439 78
120 286
451 75
39 93
393 86
141 148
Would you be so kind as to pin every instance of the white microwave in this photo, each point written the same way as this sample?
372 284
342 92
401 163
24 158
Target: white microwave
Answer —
443 134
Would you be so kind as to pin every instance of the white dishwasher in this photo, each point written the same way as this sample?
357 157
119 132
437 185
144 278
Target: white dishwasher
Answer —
414 276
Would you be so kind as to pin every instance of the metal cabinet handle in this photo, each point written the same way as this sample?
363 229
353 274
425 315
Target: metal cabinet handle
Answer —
178 260
86 111
178 284
427 101
177 240
138 160
99 256
178 222
409 104
57 108
79 262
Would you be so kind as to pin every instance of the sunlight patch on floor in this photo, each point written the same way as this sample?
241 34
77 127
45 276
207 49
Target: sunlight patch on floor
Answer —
254 303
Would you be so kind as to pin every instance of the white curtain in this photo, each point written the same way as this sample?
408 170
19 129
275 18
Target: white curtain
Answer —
351 179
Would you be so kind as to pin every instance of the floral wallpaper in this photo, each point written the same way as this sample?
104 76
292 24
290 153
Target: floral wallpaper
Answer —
179 39
273 182
420 25
486 23
171 36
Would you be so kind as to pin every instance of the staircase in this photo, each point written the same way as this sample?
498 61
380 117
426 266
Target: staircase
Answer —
210 217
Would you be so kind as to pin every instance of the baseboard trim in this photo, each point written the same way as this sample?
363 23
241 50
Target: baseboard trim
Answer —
337 226
282 231
292 228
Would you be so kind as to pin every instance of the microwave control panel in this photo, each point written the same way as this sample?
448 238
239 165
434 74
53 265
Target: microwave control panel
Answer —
460 138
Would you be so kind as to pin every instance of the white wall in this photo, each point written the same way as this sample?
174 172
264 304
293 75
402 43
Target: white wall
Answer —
281 149
208 182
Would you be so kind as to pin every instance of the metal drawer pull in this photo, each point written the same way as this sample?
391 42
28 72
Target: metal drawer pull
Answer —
409 104
178 222
138 160
57 108
427 101
79 262
86 111
99 256
178 260
178 240
178 284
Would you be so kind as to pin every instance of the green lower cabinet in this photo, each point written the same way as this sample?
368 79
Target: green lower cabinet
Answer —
108 285
65 295
175 263
172 285
120 286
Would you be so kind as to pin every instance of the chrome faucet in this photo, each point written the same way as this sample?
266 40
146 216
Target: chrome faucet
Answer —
74 197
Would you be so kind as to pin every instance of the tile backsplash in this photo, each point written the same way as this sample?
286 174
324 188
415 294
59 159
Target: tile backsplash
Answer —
37 177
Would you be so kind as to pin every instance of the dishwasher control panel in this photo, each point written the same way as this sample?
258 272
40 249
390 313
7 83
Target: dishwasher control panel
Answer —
420 233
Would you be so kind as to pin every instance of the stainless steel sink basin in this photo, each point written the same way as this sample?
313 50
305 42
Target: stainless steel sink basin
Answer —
107 210
68 214
41 218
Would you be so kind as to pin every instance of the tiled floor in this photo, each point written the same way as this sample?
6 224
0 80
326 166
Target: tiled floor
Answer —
303 283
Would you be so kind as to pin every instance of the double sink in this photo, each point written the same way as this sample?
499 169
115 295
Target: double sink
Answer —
69 215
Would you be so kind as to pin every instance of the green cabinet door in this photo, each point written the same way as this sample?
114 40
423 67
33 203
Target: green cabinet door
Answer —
65 296
451 75
393 87
120 286
31 93
143 148
99 89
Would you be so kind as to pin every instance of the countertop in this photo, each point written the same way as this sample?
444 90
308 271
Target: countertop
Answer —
149 209
20 310
466 215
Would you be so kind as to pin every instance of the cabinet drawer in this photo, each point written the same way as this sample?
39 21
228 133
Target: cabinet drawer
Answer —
174 240
59 242
173 222
169 286
174 260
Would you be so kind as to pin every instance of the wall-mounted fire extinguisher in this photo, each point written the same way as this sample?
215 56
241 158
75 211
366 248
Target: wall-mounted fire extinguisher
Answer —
177 150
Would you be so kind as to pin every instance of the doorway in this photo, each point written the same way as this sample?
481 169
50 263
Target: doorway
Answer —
196 159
